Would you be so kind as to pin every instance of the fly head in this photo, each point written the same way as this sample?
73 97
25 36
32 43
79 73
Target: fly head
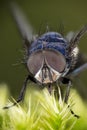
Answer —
46 66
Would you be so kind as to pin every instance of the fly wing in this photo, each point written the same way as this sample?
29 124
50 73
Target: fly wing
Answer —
69 36
81 62
80 65
24 27
73 74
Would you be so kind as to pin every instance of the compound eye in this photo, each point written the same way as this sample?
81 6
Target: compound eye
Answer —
56 60
34 62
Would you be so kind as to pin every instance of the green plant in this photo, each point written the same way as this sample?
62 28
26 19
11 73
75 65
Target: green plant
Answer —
38 111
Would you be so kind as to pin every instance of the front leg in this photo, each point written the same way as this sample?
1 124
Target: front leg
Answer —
67 91
69 84
20 98
50 88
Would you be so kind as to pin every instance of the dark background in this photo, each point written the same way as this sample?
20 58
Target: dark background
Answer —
73 15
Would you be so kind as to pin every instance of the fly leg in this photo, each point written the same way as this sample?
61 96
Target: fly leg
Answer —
67 92
50 88
78 70
66 99
20 98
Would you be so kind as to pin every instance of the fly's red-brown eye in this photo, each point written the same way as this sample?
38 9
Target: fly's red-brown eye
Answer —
54 59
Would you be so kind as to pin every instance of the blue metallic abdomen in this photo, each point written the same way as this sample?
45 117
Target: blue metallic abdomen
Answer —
51 41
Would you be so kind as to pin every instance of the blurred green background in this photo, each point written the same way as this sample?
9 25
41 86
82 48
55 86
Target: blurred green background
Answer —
72 13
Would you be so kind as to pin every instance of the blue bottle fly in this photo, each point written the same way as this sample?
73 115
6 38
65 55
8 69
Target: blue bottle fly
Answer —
50 58
46 61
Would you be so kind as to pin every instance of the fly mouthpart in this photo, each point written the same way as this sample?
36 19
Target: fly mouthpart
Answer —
46 74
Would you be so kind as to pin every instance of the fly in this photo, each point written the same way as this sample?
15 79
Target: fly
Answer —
50 58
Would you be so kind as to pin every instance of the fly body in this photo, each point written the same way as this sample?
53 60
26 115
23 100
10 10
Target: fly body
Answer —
50 58
47 60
